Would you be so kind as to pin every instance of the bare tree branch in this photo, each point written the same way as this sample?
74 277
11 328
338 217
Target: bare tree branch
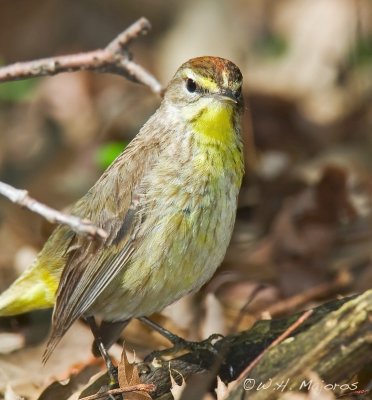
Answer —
78 225
142 387
278 340
115 58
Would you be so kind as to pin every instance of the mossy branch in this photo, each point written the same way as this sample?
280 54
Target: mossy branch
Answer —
335 342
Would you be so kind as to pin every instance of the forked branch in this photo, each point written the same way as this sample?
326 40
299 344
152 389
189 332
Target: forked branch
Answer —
114 58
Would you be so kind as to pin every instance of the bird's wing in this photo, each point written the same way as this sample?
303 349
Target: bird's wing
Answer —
91 265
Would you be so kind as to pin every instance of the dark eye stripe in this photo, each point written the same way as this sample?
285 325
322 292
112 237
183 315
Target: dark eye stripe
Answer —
238 92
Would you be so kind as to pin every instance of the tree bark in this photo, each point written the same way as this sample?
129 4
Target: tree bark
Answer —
335 342
337 347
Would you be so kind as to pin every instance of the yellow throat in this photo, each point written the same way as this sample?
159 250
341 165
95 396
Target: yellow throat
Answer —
215 122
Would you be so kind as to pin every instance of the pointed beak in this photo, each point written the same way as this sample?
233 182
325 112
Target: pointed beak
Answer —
226 95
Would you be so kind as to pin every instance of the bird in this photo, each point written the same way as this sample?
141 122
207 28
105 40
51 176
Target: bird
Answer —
168 204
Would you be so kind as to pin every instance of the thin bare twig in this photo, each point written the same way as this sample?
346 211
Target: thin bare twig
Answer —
114 58
245 308
142 387
342 281
278 340
78 225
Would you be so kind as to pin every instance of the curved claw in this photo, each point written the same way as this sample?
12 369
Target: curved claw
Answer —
182 344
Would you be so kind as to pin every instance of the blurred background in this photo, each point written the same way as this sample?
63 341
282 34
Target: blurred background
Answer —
303 233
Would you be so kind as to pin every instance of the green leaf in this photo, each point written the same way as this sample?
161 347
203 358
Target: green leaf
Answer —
361 54
17 91
107 153
271 46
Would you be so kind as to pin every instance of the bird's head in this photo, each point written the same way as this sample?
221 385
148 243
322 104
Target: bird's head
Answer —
208 93
207 77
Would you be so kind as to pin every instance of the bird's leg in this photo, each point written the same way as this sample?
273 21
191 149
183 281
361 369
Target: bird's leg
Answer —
164 332
109 332
112 372
178 342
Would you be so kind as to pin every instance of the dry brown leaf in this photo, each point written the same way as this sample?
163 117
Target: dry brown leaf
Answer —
10 342
130 386
10 394
72 387
221 389
214 320
177 389
128 376
26 374
307 230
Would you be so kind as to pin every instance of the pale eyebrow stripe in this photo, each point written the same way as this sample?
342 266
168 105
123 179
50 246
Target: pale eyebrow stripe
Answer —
225 78
204 82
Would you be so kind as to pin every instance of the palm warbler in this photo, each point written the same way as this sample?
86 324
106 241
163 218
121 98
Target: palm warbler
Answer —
168 203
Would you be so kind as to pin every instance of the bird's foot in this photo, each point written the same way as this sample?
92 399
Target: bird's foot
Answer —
181 345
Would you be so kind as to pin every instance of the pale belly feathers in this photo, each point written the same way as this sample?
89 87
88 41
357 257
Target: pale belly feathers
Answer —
184 238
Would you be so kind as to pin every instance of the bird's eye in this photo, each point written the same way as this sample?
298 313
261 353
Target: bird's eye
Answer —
191 85
238 92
